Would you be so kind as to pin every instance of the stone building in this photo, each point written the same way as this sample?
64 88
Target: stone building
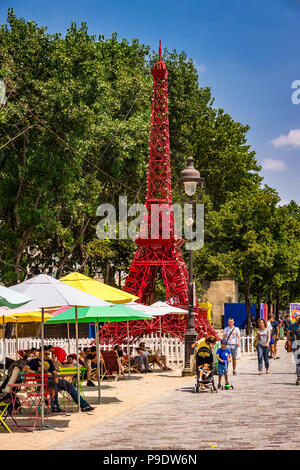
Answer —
218 293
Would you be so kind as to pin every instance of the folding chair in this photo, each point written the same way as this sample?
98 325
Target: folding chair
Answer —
73 372
133 367
33 395
112 364
3 415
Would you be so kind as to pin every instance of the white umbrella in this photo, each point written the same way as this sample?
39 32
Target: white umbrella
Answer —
10 300
48 292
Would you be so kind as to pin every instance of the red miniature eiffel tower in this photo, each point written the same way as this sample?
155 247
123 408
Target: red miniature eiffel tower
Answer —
156 251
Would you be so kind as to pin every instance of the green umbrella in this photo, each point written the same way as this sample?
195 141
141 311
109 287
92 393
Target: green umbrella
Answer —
112 313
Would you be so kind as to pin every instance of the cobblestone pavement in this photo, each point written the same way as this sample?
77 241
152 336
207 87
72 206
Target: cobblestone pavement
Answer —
262 412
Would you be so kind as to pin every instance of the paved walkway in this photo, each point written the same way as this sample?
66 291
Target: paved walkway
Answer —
262 412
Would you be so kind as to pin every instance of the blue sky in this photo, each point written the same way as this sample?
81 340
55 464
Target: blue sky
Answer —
247 52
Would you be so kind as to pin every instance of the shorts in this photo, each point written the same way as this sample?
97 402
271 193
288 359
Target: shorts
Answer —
271 340
223 369
234 350
274 337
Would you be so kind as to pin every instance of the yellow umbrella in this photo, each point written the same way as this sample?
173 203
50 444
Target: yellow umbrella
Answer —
26 317
98 289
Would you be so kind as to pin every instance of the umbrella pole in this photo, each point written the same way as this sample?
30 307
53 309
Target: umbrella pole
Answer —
128 350
77 356
17 339
68 331
43 372
161 341
3 340
98 360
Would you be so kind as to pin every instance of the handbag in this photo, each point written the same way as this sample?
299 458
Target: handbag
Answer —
255 344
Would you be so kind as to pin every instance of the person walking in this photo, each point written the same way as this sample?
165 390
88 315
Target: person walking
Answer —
293 340
232 336
275 335
286 323
263 343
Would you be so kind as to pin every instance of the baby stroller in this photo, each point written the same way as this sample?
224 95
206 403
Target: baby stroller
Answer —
205 356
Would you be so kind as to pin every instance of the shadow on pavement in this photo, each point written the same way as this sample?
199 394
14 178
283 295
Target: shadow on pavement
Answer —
104 400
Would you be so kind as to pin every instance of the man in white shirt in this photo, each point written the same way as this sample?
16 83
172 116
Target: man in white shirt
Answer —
232 335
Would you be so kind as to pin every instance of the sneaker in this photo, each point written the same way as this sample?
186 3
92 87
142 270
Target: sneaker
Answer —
56 410
150 371
233 373
90 384
87 408
219 386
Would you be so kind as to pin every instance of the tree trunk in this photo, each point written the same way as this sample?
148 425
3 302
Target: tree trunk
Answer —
247 302
258 301
277 303
106 275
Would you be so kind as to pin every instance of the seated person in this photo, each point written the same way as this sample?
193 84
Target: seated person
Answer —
59 355
89 356
13 376
54 383
7 364
71 361
119 350
148 358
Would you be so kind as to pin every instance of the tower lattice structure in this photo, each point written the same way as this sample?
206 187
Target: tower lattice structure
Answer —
158 246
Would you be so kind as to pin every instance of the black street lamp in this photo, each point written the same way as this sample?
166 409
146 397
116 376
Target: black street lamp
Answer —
190 178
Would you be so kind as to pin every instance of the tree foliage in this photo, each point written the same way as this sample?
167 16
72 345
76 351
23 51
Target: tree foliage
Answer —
74 133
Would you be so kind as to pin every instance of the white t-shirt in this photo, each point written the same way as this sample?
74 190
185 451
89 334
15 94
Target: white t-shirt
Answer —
269 327
233 339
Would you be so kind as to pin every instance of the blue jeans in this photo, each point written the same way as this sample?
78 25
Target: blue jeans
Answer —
140 360
68 387
262 354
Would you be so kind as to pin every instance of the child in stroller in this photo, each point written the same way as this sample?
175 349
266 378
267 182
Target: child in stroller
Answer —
205 378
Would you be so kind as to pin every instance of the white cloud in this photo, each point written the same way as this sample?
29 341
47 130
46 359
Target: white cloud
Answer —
199 67
284 202
293 139
270 164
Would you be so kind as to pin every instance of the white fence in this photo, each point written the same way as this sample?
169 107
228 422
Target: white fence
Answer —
172 348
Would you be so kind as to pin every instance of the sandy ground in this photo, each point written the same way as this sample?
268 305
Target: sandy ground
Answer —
117 398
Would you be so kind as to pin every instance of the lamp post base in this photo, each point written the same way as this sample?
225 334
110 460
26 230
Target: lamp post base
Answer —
187 372
189 339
